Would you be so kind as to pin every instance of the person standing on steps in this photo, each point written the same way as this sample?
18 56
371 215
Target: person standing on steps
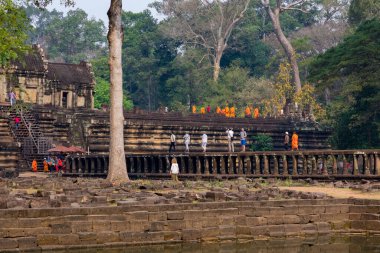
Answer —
12 97
172 142
174 170
294 141
34 165
243 139
230 138
286 141
204 142
186 138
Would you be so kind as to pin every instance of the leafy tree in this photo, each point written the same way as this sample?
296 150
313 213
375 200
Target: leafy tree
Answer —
262 142
69 38
351 73
206 24
362 10
102 95
13 31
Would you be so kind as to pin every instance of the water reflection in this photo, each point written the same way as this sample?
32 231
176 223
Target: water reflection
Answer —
341 244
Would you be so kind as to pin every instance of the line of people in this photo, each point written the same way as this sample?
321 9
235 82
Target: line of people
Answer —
51 164
230 139
227 111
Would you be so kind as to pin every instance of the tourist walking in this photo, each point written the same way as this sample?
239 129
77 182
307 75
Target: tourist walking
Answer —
17 121
286 141
174 170
204 142
186 138
230 138
294 141
12 97
243 139
172 142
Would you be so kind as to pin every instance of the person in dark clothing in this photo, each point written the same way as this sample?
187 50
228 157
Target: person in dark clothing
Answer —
286 141
172 142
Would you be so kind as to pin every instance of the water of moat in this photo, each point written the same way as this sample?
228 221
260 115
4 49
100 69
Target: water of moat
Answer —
341 244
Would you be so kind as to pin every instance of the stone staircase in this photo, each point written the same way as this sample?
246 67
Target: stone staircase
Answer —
9 149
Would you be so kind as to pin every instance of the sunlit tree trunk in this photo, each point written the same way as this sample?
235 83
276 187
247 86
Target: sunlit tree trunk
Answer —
117 171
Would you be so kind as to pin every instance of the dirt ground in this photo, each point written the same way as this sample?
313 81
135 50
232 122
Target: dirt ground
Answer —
335 192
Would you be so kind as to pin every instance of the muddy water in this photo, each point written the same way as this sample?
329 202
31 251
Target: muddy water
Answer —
346 244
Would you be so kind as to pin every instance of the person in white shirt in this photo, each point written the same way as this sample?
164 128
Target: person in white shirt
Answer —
172 142
243 139
204 142
230 137
186 137
174 170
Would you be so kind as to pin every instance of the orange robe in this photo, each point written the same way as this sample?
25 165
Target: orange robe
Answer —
227 110
232 112
203 111
256 113
34 166
218 111
194 109
46 166
294 142
247 112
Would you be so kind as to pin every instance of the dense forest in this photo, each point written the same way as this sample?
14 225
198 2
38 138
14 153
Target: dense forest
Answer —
322 54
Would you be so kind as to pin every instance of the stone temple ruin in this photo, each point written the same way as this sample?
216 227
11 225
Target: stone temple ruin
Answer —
62 113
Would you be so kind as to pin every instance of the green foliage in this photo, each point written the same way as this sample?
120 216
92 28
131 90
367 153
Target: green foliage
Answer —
102 95
362 10
13 32
262 142
71 38
351 73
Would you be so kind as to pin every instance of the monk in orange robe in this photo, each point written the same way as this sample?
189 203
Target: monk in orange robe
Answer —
46 166
232 112
203 111
218 111
247 112
256 113
34 165
294 141
227 110
194 109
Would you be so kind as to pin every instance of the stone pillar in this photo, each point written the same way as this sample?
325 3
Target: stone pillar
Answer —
167 168
240 165
335 165
230 167
214 166
249 166
198 165
304 164
68 165
160 164
182 169
86 167
3 88
266 165
222 165
106 160
356 167
139 165
324 165
145 165
345 170
257 165
275 167
377 164
206 165
366 165
191 165
294 172
92 165
285 165
314 166
132 162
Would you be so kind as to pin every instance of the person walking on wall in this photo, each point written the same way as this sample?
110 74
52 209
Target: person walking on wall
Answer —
12 97
172 142
174 170
243 139
186 138
294 141
230 138
286 141
204 142
34 165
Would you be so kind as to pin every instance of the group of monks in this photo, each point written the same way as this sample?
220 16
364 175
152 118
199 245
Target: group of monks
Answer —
227 111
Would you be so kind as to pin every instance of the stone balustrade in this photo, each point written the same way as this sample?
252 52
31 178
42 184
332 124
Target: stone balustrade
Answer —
297 164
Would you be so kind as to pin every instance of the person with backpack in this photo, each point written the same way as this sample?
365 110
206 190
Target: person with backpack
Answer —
230 138
243 139
172 142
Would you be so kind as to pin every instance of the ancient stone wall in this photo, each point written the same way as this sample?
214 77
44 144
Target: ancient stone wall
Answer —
126 225
151 132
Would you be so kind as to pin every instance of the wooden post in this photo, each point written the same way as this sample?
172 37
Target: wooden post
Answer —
285 165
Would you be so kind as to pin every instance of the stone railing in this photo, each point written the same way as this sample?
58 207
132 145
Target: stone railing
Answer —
318 164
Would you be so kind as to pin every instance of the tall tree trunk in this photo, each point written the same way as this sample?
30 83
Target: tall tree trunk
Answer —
216 69
117 171
218 58
286 45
